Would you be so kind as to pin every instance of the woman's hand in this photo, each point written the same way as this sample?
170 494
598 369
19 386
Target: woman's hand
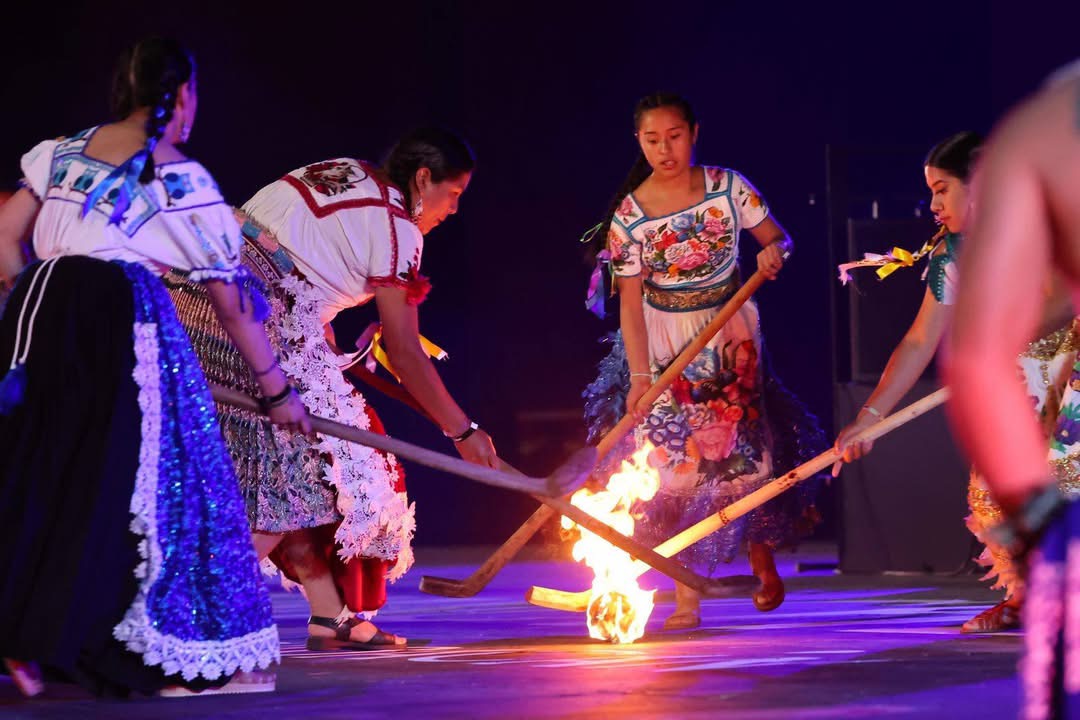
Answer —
291 415
852 451
478 449
638 387
770 260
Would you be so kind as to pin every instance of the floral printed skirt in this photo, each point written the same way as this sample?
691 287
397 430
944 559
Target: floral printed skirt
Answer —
725 428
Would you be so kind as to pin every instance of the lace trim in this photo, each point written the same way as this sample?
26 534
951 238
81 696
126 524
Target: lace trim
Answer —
190 658
203 274
377 521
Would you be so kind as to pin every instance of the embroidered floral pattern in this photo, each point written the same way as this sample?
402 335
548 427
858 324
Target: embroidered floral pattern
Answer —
690 246
332 177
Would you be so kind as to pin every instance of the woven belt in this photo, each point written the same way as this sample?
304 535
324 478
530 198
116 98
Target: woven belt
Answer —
692 299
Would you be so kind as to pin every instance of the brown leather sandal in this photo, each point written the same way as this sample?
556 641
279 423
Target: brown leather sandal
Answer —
342 630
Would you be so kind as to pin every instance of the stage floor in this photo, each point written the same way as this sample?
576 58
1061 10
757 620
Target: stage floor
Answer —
839 647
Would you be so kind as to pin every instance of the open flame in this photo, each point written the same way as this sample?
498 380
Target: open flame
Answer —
618 607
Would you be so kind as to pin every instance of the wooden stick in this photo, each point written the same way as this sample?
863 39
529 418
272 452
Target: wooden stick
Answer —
577 602
513 545
570 475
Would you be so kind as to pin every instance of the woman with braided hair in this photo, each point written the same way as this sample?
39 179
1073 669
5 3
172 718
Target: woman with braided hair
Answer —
125 560
726 426
328 236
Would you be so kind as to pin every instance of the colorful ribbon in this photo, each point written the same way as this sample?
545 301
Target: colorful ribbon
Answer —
594 298
893 260
129 170
376 353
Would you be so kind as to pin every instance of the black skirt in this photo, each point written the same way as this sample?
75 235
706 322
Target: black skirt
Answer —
68 460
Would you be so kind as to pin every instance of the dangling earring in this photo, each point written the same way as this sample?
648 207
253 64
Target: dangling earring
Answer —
185 131
418 209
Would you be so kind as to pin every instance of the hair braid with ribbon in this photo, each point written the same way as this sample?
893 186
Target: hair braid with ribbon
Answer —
148 76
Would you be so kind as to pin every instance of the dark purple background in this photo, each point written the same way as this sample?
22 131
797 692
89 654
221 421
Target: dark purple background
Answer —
544 92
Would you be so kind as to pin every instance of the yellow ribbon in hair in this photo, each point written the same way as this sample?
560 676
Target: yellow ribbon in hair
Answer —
377 353
901 258
891 261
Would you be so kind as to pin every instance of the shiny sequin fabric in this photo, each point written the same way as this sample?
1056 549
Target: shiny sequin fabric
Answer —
201 609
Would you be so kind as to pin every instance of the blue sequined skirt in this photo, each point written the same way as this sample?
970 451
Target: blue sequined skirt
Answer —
125 557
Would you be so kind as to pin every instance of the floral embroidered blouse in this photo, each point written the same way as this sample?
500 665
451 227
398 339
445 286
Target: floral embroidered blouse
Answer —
346 230
179 219
693 249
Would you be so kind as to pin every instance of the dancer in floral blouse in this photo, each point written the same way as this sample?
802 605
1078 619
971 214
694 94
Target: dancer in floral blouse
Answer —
673 237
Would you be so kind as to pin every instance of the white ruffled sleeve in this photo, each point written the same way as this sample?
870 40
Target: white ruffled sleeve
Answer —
36 168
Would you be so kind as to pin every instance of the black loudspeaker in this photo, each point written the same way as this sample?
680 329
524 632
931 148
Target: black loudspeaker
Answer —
881 311
903 505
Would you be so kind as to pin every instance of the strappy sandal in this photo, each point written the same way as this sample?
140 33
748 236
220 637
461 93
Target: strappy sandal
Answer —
342 630
996 619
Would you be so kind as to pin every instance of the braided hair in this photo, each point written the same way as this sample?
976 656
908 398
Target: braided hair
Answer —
150 75
442 152
640 170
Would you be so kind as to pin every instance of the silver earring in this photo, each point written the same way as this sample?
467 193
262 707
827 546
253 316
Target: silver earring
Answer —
418 209
185 132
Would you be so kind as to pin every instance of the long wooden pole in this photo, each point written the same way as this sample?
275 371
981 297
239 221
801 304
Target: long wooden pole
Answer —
570 475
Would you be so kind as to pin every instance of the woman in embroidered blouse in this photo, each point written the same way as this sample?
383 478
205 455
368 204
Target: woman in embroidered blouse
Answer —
325 237
126 563
1044 366
673 242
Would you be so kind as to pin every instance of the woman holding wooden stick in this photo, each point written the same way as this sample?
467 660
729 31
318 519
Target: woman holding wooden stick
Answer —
126 561
672 237
331 515
1044 365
